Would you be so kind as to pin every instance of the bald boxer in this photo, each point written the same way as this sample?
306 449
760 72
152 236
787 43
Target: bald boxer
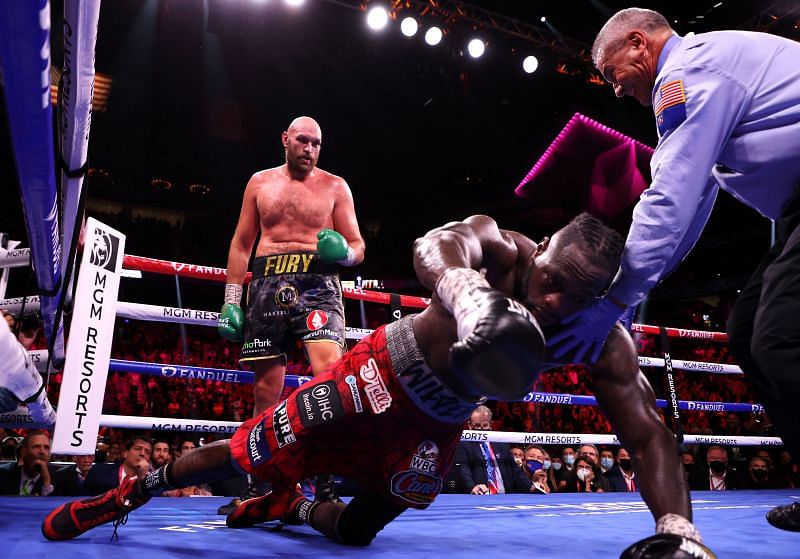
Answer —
20 382
307 224
403 393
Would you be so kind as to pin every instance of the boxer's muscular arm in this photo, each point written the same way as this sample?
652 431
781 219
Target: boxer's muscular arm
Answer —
473 243
345 222
245 234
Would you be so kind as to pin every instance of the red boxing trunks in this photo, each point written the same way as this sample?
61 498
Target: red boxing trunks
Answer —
379 416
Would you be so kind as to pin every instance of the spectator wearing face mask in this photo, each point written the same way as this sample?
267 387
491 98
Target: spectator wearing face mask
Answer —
568 457
484 468
606 460
716 476
585 478
550 470
534 469
756 476
621 476
519 456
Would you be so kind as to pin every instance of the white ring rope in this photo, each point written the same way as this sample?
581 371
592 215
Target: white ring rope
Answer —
229 427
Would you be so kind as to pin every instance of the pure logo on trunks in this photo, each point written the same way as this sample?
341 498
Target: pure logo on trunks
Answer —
352 383
319 404
282 426
316 320
416 487
425 460
286 295
257 446
375 389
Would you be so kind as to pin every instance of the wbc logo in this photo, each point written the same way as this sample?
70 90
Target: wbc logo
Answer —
316 320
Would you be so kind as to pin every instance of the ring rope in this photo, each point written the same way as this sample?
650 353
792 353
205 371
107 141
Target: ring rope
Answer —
154 265
229 427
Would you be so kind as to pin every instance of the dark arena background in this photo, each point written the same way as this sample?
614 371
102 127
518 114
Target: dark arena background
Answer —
190 99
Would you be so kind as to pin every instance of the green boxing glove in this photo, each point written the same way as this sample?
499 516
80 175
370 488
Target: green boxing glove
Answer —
332 247
230 323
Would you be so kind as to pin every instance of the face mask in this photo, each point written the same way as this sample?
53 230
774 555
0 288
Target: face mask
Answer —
625 464
606 463
569 459
546 464
518 460
533 465
759 475
557 466
717 466
583 473
688 467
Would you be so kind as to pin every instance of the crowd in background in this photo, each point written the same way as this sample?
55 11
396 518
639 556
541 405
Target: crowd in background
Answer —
132 394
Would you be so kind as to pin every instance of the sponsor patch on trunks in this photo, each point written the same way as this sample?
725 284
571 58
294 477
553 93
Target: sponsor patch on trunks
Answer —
319 404
286 295
282 426
426 459
316 320
415 487
374 387
257 446
352 383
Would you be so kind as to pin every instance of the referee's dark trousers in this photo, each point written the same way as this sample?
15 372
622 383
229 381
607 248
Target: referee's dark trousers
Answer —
764 329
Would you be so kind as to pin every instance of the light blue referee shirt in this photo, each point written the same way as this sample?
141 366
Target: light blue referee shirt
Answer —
727 108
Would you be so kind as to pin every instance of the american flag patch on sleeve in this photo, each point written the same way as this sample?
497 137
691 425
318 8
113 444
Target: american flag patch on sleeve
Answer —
670 109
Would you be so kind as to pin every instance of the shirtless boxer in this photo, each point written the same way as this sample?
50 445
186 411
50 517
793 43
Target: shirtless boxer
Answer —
308 225
403 393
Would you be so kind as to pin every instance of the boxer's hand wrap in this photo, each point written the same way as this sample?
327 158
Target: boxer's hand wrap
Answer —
230 323
458 290
233 294
501 345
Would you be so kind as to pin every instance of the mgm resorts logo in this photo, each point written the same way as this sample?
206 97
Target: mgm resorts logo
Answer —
104 250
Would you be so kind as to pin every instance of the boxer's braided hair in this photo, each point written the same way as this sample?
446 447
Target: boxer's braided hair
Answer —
601 244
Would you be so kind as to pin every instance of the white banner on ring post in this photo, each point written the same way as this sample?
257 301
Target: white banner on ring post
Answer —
89 351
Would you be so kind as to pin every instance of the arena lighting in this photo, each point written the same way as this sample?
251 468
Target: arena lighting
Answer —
294 2
409 26
543 19
476 48
530 64
433 36
377 18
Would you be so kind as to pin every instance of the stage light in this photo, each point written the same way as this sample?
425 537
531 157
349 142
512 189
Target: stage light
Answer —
530 64
377 18
294 2
433 36
409 26
543 19
476 48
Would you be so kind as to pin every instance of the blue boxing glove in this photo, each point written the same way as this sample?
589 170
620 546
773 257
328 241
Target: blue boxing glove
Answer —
586 332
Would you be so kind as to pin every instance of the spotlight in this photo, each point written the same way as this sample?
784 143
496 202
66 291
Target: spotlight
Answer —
433 36
543 19
476 47
530 64
377 18
294 2
409 26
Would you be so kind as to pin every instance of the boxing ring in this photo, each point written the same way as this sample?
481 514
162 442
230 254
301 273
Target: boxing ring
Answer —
730 521
458 526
